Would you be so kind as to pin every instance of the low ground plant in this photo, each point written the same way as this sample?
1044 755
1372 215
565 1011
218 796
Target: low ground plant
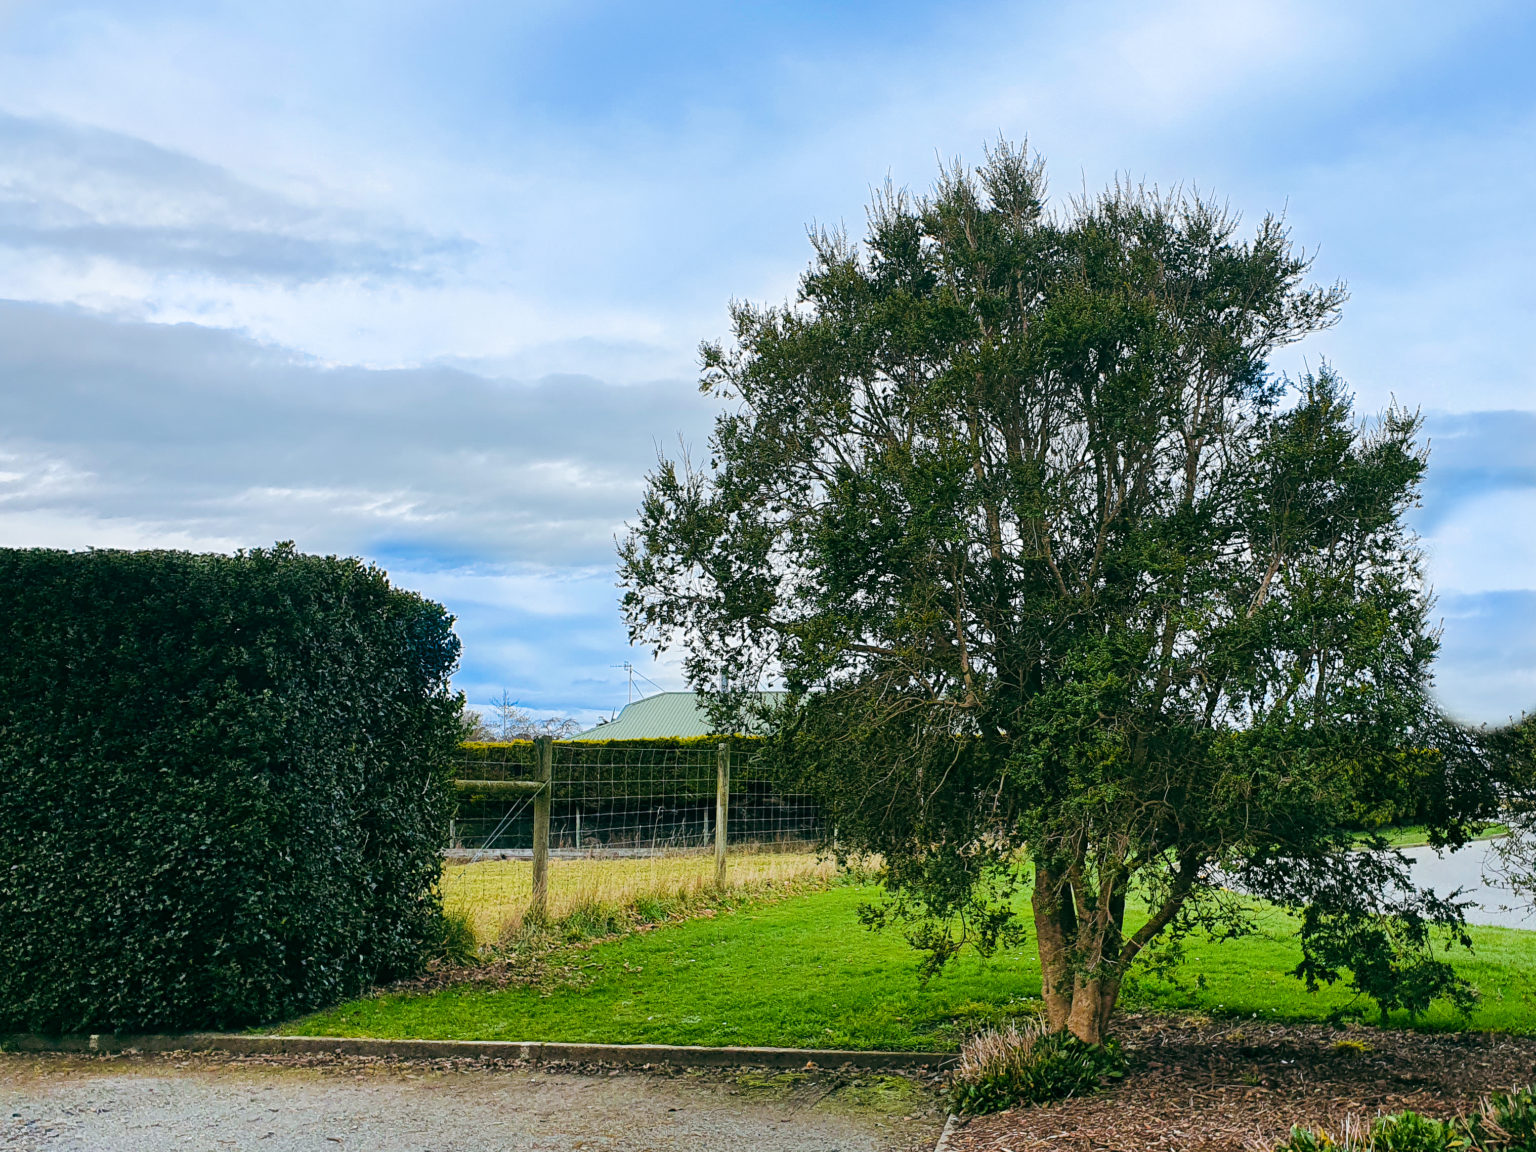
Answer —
1506 1122
1029 1064
1515 1114
458 946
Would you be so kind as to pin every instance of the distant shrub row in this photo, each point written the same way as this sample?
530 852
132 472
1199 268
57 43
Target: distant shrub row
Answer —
595 751
682 767
223 785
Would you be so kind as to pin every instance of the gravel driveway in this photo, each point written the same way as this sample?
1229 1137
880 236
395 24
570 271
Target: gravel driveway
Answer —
209 1103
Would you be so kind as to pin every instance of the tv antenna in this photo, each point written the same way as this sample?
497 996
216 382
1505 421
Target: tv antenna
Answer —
633 672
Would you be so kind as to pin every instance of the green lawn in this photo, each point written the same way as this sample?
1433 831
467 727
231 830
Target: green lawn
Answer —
803 973
1417 835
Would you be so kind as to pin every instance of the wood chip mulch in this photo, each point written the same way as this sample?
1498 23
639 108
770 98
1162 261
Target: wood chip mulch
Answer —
1197 1086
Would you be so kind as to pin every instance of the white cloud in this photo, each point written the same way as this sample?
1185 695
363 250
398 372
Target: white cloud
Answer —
609 244
1487 668
180 429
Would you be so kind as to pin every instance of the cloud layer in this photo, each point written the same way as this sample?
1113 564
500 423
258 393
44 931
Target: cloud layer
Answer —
192 433
82 195
503 499
424 282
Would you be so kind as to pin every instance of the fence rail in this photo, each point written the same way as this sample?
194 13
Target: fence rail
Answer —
543 797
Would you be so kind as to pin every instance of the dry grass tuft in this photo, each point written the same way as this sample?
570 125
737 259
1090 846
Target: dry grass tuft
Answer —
998 1050
1013 1066
493 895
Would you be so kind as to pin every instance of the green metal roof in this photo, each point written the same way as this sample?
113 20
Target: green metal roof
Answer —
658 717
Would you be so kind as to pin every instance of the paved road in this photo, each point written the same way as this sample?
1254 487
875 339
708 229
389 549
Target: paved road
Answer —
215 1104
1447 871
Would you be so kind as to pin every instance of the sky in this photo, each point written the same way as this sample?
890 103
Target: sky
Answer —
425 283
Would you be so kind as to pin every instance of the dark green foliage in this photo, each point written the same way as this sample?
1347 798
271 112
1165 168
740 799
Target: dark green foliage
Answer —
1006 1070
1513 861
223 785
604 751
1068 588
1395 789
1384 948
495 760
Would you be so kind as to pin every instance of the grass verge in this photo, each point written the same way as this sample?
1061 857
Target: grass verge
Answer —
493 895
801 972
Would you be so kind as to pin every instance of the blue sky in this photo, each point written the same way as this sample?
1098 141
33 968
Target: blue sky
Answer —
424 282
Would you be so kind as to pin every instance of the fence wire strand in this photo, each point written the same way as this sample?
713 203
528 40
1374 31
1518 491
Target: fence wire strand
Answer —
609 800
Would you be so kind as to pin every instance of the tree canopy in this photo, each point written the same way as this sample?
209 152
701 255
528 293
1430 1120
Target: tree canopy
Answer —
1068 587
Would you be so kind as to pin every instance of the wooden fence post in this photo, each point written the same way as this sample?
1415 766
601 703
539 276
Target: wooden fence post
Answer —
722 808
544 747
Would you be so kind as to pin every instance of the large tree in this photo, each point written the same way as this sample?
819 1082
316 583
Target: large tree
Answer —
1068 587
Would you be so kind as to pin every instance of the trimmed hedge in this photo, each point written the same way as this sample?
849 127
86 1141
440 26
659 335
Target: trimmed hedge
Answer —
223 785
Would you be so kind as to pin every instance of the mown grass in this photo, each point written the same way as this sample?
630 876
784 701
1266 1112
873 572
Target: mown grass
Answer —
1417 835
493 895
801 972
1251 977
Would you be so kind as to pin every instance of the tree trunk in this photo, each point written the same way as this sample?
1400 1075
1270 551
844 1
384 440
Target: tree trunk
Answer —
1055 926
1074 1001
1093 1003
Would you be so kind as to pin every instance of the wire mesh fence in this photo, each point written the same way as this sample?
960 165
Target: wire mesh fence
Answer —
492 819
618 800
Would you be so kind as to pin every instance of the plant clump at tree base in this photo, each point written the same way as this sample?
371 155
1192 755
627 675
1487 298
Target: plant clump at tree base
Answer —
1004 1068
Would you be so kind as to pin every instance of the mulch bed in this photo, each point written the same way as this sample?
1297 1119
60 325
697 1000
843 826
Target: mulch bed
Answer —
1198 1086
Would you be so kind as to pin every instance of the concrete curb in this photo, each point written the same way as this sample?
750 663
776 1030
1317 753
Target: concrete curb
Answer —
950 1127
631 1055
